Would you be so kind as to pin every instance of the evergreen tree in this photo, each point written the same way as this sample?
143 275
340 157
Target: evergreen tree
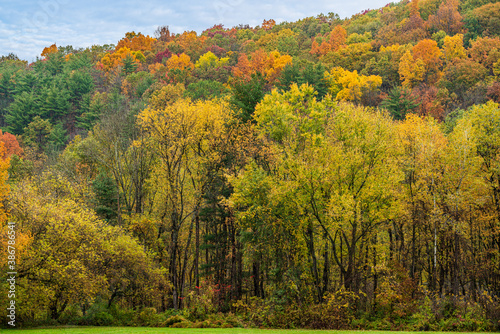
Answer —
399 102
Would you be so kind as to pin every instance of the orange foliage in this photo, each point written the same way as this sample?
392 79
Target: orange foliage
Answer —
48 50
243 69
428 51
486 51
269 65
112 60
268 24
430 104
11 145
414 8
191 43
137 42
336 39
180 62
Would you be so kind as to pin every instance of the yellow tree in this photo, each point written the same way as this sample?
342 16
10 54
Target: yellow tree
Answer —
179 68
331 184
4 186
350 86
453 47
423 145
209 60
411 72
186 137
482 193
70 257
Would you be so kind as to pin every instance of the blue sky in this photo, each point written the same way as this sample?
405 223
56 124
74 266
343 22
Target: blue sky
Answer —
27 26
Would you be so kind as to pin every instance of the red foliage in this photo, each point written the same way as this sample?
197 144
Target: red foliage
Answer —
160 55
11 145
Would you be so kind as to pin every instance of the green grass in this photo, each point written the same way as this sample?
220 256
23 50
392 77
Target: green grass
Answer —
148 330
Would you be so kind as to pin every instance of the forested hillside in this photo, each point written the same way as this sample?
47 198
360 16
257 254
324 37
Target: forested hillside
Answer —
324 173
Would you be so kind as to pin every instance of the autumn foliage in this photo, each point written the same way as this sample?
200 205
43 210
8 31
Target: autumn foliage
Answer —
326 173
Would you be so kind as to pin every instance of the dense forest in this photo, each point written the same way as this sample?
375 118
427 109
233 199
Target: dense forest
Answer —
324 173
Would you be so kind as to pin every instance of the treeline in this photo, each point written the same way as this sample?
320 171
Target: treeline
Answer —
323 173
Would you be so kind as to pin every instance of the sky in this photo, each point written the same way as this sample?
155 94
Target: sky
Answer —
27 26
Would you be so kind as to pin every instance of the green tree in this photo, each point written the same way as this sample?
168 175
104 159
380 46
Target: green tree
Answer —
245 95
21 112
399 102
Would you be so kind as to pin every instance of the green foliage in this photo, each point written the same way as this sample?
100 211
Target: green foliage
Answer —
245 95
105 197
129 65
21 112
206 90
399 102
310 74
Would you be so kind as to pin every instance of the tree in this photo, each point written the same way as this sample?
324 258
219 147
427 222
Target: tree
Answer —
411 71
11 145
324 178
37 133
350 86
454 47
179 68
206 90
129 65
185 136
428 51
447 18
245 95
269 66
385 64
332 42
21 112
423 146
461 75
486 51
71 257
483 21
136 42
4 186
49 50
399 102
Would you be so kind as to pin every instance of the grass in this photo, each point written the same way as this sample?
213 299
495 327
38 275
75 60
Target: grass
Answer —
149 330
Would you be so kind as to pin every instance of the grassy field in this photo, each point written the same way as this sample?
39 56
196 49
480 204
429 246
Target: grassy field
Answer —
147 330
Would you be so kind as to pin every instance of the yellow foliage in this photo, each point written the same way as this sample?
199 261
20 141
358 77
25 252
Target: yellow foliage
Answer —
181 62
454 47
350 86
209 60
166 96
411 72
4 187
112 60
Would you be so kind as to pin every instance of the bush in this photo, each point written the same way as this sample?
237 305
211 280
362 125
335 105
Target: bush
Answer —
147 317
172 320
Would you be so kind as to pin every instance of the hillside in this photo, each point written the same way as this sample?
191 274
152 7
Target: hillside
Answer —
324 173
